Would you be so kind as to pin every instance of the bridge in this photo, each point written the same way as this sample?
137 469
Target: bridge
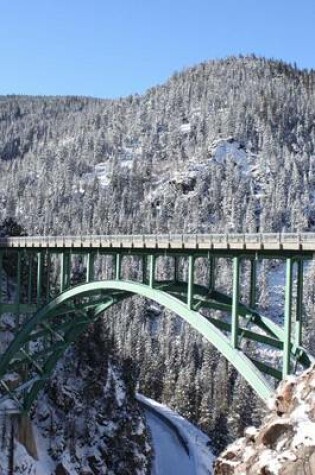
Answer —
51 309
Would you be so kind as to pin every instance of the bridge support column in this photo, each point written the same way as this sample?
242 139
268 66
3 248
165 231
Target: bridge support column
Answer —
287 317
1 274
48 257
30 275
39 277
235 302
299 303
175 269
18 288
89 267
64 271
253 283
117 266
190 290
151 270
212 273
144 269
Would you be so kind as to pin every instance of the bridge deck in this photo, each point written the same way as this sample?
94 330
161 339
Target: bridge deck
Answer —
247 242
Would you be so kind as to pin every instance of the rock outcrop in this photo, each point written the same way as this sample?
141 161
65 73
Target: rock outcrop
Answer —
285 442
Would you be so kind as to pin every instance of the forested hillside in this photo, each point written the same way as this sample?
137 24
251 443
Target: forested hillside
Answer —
225 146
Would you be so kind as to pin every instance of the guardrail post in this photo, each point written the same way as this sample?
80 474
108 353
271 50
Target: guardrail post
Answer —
151 270
89 267
235 301
190 289
253 283
287 317
299 303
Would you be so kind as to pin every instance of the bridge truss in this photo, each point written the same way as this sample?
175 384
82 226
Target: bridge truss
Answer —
47 323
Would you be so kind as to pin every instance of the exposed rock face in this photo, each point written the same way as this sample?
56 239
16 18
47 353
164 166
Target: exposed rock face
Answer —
285 442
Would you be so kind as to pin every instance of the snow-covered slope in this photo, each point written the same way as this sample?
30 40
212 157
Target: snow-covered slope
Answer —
200 459
85 422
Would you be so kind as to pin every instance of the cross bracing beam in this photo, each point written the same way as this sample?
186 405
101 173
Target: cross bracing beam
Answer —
273 335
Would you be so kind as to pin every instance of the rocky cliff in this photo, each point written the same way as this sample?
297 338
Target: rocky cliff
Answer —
285 442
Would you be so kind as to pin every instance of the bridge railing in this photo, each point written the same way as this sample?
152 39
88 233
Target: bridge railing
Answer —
305 241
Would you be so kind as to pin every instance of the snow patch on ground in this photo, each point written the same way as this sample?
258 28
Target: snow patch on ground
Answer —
223 150
185 128
101 172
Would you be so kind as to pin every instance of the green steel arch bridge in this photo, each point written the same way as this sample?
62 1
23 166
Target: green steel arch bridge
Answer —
50 312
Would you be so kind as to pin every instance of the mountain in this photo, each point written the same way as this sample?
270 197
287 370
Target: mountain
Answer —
90 160
224 146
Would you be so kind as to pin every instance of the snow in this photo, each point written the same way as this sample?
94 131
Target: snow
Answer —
305 428
251 431
169 452
305 434
100 172
198 443
228 149
268 459
185 128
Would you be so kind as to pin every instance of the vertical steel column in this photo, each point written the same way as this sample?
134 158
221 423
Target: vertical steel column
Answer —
287 317
62 271
39 277
48 276
235 301
253 283
175 269
190 288
151 270
1 273
18 278
144 269
18 288
67 268
211 273
30 273
89 267
299 303
117 266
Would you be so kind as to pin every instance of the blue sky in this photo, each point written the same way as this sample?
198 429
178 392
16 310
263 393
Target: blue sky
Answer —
108 48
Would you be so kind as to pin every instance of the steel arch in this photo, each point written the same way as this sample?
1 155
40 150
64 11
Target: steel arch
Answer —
124 289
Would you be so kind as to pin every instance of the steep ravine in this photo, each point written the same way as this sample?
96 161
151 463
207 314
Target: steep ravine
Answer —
86 422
